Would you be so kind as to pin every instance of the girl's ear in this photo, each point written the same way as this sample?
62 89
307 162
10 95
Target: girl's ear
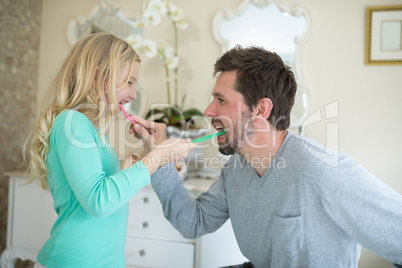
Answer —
264 108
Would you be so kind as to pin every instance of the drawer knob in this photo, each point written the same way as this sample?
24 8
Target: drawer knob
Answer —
141 253
144 225
145 200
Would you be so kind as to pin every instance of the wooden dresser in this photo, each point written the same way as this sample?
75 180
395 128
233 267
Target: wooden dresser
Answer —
151 239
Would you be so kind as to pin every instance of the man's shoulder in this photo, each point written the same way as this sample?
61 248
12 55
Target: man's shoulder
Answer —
307 150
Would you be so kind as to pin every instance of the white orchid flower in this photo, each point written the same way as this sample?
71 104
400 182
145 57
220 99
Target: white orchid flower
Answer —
151 13
172 62
139 23
152 16
177 15
135 40
166 48
171 7
159 6
165 54
150 48
181 24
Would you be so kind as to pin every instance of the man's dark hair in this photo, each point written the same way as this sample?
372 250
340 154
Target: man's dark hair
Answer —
261 74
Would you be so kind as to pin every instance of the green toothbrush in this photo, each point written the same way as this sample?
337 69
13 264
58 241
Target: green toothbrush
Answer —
208 136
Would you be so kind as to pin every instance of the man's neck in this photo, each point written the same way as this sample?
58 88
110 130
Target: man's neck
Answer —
262 149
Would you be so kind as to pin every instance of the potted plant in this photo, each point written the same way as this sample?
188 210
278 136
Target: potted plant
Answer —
180 122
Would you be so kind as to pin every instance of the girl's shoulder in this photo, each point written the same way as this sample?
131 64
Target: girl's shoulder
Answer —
72 115
72 123
69 118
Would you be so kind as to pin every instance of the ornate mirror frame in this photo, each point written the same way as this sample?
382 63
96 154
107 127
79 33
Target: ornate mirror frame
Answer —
302 102
104 17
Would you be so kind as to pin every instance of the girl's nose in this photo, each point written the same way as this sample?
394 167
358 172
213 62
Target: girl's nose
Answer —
133 94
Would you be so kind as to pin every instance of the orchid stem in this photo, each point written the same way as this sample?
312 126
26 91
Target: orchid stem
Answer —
176 70
168 90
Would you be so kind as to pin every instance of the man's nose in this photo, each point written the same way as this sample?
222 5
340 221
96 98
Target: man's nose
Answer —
211 110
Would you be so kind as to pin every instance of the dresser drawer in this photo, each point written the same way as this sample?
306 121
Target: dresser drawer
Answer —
153 253
152 226
146 200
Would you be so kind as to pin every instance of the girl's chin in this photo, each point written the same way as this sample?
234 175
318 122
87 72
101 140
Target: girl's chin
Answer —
122 105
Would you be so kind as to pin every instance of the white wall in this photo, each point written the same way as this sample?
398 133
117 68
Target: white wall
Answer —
369 97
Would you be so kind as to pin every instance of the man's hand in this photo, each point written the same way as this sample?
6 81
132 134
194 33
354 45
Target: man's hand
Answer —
149 132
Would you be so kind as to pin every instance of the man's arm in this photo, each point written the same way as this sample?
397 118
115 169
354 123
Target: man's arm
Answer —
192 217
365 208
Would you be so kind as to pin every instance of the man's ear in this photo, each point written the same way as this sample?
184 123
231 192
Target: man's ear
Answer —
264 108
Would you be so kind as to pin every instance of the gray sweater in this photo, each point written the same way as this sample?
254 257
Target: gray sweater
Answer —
311 208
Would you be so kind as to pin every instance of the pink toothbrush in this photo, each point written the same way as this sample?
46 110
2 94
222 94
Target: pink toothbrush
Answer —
125 113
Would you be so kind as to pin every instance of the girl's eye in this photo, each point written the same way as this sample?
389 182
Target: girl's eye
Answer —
129 83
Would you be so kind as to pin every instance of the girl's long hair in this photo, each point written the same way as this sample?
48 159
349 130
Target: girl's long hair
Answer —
86 82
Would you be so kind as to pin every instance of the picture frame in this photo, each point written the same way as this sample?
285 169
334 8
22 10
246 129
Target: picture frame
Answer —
383 35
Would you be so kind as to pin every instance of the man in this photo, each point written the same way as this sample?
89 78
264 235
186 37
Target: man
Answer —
291 202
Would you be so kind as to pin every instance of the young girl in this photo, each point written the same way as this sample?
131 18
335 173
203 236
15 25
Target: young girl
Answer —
71 155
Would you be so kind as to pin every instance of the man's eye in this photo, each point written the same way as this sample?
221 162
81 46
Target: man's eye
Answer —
221 100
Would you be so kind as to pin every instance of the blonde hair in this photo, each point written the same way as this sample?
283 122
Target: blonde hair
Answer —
86 80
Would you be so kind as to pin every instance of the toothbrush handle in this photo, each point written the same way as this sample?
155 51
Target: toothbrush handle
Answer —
208 137
127 116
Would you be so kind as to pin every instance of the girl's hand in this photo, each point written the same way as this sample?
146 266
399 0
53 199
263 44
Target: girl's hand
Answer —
171 150
149 132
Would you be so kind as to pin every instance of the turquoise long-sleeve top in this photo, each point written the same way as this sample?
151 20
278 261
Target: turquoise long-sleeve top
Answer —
90 195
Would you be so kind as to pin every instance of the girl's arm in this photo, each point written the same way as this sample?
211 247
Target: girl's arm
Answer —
92 169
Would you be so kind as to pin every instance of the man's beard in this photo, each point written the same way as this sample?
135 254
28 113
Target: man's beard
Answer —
243 131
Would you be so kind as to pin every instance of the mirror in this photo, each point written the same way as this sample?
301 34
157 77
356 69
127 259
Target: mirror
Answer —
274 26
105 17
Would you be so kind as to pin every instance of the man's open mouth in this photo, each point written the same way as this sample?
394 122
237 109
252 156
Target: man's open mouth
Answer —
219 127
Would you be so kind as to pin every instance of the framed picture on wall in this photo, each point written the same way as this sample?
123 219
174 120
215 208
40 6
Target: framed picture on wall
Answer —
383 35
